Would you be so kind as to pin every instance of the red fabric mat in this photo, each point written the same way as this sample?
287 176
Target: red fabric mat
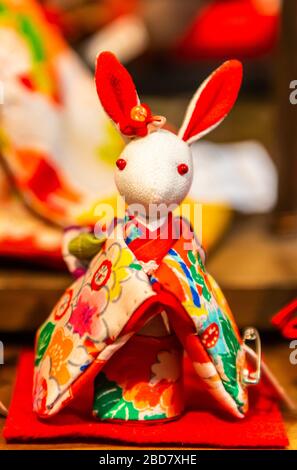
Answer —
263 427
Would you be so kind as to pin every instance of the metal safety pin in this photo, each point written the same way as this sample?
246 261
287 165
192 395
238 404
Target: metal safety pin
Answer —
252 378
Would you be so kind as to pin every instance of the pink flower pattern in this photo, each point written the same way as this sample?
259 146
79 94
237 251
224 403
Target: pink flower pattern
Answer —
85 315
82 317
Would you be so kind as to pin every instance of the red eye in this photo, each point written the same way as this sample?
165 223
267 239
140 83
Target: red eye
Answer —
182 169
121 163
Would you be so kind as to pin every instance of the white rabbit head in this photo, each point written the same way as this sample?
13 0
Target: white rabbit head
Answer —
156 166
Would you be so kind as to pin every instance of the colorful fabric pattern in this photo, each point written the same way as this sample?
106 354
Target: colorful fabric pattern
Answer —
86 323
115 297
142 386
207 307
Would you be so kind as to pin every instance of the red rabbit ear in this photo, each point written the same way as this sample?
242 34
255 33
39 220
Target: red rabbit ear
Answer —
115 89
212 101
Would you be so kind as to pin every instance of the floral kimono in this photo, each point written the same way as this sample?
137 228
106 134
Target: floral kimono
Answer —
96 332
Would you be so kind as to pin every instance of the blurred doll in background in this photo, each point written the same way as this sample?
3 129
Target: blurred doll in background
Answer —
57 146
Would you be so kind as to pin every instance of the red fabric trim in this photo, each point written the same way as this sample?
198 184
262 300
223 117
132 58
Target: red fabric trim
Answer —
216 99
152 244
263 427
115 87
117 93
179 320
182 325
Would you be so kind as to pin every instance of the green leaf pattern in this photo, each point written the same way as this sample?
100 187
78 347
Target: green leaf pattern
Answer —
43 341
229 360
109 402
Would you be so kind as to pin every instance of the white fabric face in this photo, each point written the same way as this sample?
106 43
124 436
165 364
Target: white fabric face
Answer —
151 174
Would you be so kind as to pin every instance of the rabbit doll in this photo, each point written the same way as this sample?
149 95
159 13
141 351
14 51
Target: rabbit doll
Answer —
142 295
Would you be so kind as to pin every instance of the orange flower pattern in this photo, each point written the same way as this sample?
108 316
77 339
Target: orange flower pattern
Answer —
137 386
58 351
